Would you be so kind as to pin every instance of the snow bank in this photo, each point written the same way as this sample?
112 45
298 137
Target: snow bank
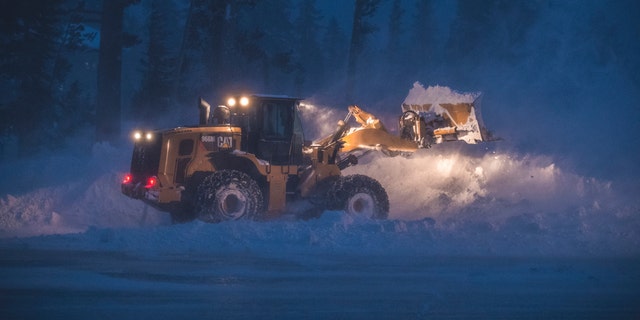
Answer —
507 202
451 199
446 200
443 181
437 95
70 193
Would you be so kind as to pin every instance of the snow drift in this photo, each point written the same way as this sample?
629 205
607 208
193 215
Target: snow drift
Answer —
451 199
446 200
437 95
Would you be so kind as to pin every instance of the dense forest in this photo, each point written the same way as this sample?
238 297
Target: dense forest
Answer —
71 68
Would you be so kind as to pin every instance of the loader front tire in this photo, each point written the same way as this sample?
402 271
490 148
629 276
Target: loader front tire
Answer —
228 195
359 195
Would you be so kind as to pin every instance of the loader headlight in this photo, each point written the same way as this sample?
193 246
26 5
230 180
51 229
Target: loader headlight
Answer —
242 101
139 135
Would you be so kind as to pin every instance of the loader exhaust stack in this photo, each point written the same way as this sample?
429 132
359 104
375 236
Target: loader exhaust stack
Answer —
204 109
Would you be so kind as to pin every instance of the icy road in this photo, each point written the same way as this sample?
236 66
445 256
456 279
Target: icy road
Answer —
133 274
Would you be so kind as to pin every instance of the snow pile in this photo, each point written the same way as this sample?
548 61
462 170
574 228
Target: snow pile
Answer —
437 95
71 198
445 200
506 202
444 180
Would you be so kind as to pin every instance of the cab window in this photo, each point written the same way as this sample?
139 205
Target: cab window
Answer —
185 148
277 120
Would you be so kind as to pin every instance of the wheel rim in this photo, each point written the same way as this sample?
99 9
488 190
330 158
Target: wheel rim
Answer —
232 204
361 204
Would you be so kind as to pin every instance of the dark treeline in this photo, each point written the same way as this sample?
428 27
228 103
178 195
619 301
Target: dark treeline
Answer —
156 57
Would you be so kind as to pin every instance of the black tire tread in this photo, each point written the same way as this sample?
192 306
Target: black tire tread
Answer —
206 201
347 186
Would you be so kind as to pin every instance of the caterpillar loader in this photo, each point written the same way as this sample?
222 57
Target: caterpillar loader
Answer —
248 159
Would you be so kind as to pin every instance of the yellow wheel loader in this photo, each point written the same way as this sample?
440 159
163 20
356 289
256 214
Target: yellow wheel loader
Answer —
248 159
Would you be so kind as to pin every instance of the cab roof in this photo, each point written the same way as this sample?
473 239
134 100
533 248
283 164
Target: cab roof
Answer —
276 96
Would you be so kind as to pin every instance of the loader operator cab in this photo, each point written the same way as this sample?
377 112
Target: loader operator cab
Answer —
271 127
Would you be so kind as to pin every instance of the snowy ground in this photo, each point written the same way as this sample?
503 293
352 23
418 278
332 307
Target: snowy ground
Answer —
473 233
65 283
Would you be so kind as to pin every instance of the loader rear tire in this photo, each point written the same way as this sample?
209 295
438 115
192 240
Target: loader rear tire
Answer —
359 195
228 195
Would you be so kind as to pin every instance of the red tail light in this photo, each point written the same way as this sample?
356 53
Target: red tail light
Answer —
127 178
152 181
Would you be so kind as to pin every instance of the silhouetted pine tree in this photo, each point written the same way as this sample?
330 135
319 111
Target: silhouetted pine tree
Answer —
335 47
270 28
421 46
30 32
490 29
394 44
362 27
112 40
154 95
310 64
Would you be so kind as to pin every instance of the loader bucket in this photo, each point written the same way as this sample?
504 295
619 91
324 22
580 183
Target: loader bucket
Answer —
447 115
376 139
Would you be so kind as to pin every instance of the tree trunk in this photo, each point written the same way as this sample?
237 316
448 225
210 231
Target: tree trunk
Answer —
108 107
363 10
352 59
